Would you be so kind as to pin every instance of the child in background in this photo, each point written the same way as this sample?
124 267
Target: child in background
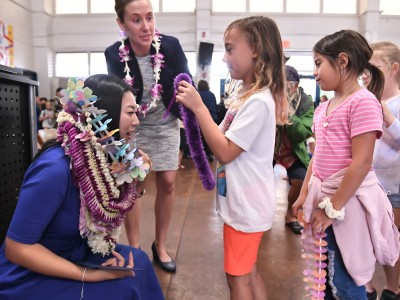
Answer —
341 195
48 116
386 159
244 146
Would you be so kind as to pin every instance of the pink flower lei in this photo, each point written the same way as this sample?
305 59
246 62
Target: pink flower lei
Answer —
103 205
158 63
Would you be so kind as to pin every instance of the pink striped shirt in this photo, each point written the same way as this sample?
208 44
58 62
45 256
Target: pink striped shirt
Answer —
358 114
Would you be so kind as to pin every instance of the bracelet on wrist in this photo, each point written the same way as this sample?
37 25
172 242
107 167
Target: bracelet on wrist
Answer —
139 195
332 213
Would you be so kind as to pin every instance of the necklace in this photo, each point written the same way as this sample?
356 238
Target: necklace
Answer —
158 63
103 203
336 104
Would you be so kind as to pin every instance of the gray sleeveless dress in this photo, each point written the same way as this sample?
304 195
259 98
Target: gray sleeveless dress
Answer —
158 137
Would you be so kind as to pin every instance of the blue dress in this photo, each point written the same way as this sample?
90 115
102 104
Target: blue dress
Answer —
48 213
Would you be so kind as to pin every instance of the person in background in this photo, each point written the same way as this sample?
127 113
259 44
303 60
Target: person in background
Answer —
183 147
57 104
149 62
47 116
310 144
341 197
221 109
210 102
323 98
61 243
386 160
242 146
290 144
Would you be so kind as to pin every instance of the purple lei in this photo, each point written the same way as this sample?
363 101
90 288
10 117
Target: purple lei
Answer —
193 136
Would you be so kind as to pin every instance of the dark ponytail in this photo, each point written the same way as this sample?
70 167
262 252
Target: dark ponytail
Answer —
377 82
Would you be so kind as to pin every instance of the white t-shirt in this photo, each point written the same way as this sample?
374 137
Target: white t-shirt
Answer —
245 186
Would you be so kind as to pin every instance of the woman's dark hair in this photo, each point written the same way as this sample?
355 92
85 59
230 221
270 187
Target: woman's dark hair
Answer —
120 8
203 85
109 91
356 47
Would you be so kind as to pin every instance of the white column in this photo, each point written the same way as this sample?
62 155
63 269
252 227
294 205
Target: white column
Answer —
42 52
369 19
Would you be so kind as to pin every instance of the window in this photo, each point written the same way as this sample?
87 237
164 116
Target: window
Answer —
95 6
229 5
72 65
218 72
97 63
102 7
80 64
266 6
302 6
71 7
389 7
156 5
340 6
192 62
178 5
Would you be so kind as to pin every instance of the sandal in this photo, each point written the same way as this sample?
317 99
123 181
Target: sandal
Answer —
295 227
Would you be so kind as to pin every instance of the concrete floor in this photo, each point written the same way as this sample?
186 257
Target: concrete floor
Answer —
195 242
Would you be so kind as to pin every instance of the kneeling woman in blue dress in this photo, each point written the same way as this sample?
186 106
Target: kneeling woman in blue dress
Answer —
61 243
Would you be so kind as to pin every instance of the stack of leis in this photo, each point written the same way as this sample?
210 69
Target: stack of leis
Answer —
314 249
158 63
103 206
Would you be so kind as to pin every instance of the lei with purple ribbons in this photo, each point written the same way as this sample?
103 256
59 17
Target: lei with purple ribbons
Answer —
103 204
193 136
158 63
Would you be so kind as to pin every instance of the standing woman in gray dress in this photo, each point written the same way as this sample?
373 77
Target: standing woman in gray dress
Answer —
149 62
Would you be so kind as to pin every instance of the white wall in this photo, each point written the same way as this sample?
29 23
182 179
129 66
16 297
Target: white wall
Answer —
18 14
39 34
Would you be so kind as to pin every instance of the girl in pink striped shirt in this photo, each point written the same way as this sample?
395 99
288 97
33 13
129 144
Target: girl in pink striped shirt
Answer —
345 129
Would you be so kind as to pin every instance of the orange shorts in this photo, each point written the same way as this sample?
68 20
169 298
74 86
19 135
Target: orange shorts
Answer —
240 250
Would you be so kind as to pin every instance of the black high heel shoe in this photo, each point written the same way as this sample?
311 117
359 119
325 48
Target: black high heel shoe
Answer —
168 266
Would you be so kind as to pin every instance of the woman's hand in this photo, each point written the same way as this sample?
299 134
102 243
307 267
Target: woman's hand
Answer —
188 96
119 261
95 275
146 158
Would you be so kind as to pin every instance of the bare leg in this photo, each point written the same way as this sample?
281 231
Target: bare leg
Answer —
293 194
257 285
132 219
240 287
163 208
180 158
132 224
393 273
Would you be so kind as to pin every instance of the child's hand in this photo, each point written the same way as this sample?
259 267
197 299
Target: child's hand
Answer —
320 221
188 96
388 118
298 205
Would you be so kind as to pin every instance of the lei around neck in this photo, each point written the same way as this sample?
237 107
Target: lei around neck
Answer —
107 190
158 63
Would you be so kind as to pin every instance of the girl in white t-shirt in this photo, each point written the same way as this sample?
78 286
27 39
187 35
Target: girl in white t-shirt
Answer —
244 146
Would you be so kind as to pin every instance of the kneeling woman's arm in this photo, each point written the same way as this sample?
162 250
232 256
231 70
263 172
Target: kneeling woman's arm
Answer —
41 260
